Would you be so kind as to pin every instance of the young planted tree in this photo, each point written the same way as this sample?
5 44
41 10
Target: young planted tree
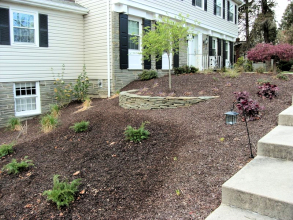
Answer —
266 52
167 36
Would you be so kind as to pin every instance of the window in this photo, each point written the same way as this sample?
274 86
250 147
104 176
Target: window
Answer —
133 31
219 8
24 27
214 47
27 98
226 50
231 12
199 3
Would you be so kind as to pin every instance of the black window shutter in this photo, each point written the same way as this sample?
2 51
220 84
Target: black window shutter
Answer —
235 14
224 53
176 60
4 27
159 63
210 46
231 53
193 2
43 30
205 5
123 40
219 47
224 8
228 11
147 63
215 7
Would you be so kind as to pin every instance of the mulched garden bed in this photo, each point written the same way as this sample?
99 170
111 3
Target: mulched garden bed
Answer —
190 150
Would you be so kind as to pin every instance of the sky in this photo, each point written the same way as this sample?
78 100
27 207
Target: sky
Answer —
280 9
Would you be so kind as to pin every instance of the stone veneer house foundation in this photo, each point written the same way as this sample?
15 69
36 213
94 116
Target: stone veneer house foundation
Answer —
37 36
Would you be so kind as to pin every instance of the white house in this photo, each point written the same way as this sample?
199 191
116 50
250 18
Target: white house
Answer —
38 35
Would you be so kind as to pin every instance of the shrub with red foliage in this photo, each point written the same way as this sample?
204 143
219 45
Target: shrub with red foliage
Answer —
267 90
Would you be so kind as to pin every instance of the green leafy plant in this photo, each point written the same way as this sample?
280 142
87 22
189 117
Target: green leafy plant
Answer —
243 65
178 193
260 70
14 124
63 92
55 110
14 167
80 126
148 74
193 69
282 76
6 149
136 135
81 86
63 192
48 123
263 81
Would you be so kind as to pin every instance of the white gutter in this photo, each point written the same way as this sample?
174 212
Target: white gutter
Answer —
108 49
54 4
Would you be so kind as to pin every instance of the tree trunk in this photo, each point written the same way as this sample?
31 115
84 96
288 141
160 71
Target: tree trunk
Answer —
169 70
275 66
247 25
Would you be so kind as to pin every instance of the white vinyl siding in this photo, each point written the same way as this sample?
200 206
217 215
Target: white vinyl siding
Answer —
95 38
30 64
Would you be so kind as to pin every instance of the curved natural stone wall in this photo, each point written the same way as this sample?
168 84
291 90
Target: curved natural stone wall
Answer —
129 100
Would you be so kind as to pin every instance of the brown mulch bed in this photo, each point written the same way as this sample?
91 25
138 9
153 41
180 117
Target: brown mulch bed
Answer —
190 150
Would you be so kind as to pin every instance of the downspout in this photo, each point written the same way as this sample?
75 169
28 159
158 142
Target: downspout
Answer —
108 48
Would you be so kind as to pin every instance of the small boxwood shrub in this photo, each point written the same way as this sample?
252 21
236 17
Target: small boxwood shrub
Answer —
193 69
14 167
80 126
267 90
136 135
63 192
6 149
148 74
185 69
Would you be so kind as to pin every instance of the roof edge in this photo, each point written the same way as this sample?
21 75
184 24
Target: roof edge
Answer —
56 5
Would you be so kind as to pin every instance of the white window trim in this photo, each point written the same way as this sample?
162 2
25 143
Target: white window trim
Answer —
232 4
202 3
36 23
38 102
221 10
138 52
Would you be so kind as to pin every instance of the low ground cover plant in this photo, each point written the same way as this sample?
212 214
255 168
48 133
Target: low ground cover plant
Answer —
63 192
136 135
267 91
247 106
80 126
6 149
147 75
263 81
48 123
260 70
282 76
231 73
185 69
14 167
14 124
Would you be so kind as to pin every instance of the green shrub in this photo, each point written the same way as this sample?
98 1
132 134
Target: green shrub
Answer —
6 149
231 73
179 70
260 70
55 111
14 167
48 123
263 81
244 65
63 192
185 69
285 65
148 74
81 86
80 126
136 135
14 124
282 76
193 69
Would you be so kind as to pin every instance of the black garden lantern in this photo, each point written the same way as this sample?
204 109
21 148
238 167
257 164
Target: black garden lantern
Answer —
231 119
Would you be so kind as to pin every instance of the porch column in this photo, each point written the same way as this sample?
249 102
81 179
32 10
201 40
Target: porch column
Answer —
199 52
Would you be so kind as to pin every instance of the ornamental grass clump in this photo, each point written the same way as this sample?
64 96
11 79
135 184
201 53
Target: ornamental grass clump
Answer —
80 126
14 167
14 124
267 91
136 135
48 123
55 110
6 149
63 192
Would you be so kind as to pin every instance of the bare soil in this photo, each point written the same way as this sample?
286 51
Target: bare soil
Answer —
190 150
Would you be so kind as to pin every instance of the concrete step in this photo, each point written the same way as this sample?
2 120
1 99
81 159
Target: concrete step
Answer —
225 212
286 117
264 186
278 143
